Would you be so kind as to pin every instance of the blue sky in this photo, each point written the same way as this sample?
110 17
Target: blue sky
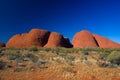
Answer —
64 16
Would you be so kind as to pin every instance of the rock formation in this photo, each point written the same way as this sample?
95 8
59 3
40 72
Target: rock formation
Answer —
105 43
35 37
39 38
44 38
57 40
2 44
84 39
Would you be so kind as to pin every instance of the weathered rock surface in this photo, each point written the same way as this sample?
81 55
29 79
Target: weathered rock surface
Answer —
105 42
57 40
44 38
39 38
2 44
84 39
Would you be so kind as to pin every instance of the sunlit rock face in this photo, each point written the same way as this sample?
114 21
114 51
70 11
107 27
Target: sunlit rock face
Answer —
105 42
84 39
39 38
57 40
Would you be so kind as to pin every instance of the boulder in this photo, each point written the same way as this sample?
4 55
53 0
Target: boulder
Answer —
105 42
84 39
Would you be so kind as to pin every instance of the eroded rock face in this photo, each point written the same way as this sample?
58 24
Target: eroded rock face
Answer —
39 38
35 37
84 39
105 42
57 40
15 41
2 44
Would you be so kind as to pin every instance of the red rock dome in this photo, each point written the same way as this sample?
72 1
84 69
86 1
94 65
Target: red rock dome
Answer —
39 38
35 37
105 42
84 39
15 41
55 40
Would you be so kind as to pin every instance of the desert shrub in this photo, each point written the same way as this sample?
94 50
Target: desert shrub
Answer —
86 52
102 64
41 63
13 56
70 59
32 57
104 55
68 69
21 64
33 48
58 61
56 50
63 55
18 69
20 59
88 63
1 54
83 57
43 56
114 57
47 49
2 65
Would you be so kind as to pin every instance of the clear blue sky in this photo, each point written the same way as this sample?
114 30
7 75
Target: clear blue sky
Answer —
64 16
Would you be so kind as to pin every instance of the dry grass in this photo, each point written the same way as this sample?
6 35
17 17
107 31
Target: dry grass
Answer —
54 70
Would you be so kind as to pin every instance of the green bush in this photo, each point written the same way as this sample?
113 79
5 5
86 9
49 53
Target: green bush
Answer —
32 57
63 55
70 59
56 50
114 57
13 56
33 48
104 55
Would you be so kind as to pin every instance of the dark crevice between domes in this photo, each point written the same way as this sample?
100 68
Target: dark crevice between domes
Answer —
96 41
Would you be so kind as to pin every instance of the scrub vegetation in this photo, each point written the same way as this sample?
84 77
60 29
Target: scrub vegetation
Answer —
59 64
